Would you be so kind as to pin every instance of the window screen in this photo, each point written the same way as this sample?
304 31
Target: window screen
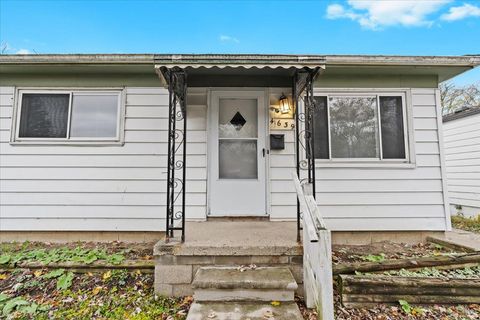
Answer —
391 116
44 116
321 128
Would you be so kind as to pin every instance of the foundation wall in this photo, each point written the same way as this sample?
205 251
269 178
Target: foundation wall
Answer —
87 236
338 237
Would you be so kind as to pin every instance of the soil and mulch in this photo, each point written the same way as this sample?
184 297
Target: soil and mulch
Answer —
380 251
471 224
56 293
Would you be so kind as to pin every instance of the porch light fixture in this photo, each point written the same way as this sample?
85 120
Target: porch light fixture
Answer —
284 104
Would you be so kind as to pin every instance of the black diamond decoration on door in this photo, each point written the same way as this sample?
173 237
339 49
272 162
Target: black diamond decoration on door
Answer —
238 121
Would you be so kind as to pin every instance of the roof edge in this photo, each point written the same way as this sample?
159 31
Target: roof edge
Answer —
462 114
368 60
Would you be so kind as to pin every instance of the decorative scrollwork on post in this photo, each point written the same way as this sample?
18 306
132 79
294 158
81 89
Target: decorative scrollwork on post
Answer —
176 162
304 129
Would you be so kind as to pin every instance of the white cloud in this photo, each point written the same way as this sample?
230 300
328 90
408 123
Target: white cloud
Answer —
225 38
23 51
461 12
374 14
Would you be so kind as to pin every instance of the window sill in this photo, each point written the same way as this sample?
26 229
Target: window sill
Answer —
364 164
68 143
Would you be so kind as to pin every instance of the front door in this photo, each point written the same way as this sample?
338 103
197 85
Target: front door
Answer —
237 130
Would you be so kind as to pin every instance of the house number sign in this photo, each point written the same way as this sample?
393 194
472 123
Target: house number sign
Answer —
282 124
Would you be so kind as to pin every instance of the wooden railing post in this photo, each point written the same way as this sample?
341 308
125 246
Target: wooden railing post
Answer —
317 254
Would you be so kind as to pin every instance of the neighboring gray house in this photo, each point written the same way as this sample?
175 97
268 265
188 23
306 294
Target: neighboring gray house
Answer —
461 131
84 141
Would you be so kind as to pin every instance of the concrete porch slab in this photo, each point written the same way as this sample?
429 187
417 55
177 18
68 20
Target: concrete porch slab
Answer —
234 238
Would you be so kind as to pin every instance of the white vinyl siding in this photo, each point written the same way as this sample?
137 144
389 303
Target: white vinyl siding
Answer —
100 187
462 155
356 196
113 187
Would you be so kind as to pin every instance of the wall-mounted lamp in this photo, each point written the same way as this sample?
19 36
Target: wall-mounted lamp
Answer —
284 104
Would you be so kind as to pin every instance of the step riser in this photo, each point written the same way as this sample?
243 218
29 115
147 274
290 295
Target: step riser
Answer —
243 295
242 311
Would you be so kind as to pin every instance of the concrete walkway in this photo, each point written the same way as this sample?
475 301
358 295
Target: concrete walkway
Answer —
459 239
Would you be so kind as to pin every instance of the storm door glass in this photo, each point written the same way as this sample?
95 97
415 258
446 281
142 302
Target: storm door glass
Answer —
237 139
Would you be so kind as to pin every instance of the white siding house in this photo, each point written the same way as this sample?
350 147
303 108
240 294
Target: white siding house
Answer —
120 184
462 154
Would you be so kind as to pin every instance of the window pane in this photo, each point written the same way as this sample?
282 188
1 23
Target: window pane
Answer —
320 122
354 127
237 159
94 116
237 118
391 114
44 116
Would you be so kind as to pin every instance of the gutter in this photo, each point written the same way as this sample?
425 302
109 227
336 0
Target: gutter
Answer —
77 59
254 59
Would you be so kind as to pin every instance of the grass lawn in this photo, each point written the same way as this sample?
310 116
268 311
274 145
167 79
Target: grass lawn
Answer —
466 223
63 294
52 293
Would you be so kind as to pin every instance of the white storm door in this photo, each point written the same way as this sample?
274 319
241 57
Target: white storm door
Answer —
237 131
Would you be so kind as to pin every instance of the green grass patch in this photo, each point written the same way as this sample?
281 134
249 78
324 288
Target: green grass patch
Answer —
466 223
57 255
58 294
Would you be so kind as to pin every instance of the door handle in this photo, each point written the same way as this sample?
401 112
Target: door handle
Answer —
263 152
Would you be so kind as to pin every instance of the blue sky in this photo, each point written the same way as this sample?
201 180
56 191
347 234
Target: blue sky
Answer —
404 27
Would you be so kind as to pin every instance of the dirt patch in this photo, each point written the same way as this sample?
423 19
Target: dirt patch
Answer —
380 251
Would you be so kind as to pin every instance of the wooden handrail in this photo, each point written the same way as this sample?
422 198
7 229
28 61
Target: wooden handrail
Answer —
317 254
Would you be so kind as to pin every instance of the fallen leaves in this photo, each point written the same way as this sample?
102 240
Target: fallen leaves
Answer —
212 315
268 314
3 276
275 303
244 268
96 290
107 275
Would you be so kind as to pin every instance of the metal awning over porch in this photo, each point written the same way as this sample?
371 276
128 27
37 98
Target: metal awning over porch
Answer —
238 70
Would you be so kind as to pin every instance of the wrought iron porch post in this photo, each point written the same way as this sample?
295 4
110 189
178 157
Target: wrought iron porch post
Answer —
303 84
297 147
176 184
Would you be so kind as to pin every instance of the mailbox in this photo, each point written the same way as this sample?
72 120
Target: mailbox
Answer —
277 141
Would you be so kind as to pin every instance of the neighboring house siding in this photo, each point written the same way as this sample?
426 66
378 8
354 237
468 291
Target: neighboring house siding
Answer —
462 153
53 187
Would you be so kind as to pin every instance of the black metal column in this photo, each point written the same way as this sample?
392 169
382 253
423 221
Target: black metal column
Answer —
176 157
304 129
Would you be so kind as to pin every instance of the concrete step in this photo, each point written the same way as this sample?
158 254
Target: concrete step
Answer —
243 311
232 284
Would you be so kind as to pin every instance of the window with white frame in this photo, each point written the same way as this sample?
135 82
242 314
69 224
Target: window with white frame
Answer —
68 115
360 127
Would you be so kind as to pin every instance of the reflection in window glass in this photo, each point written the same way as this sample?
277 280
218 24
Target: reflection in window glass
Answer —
44 116
94 116
354 127
320 122
237 118
393 141
237 159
